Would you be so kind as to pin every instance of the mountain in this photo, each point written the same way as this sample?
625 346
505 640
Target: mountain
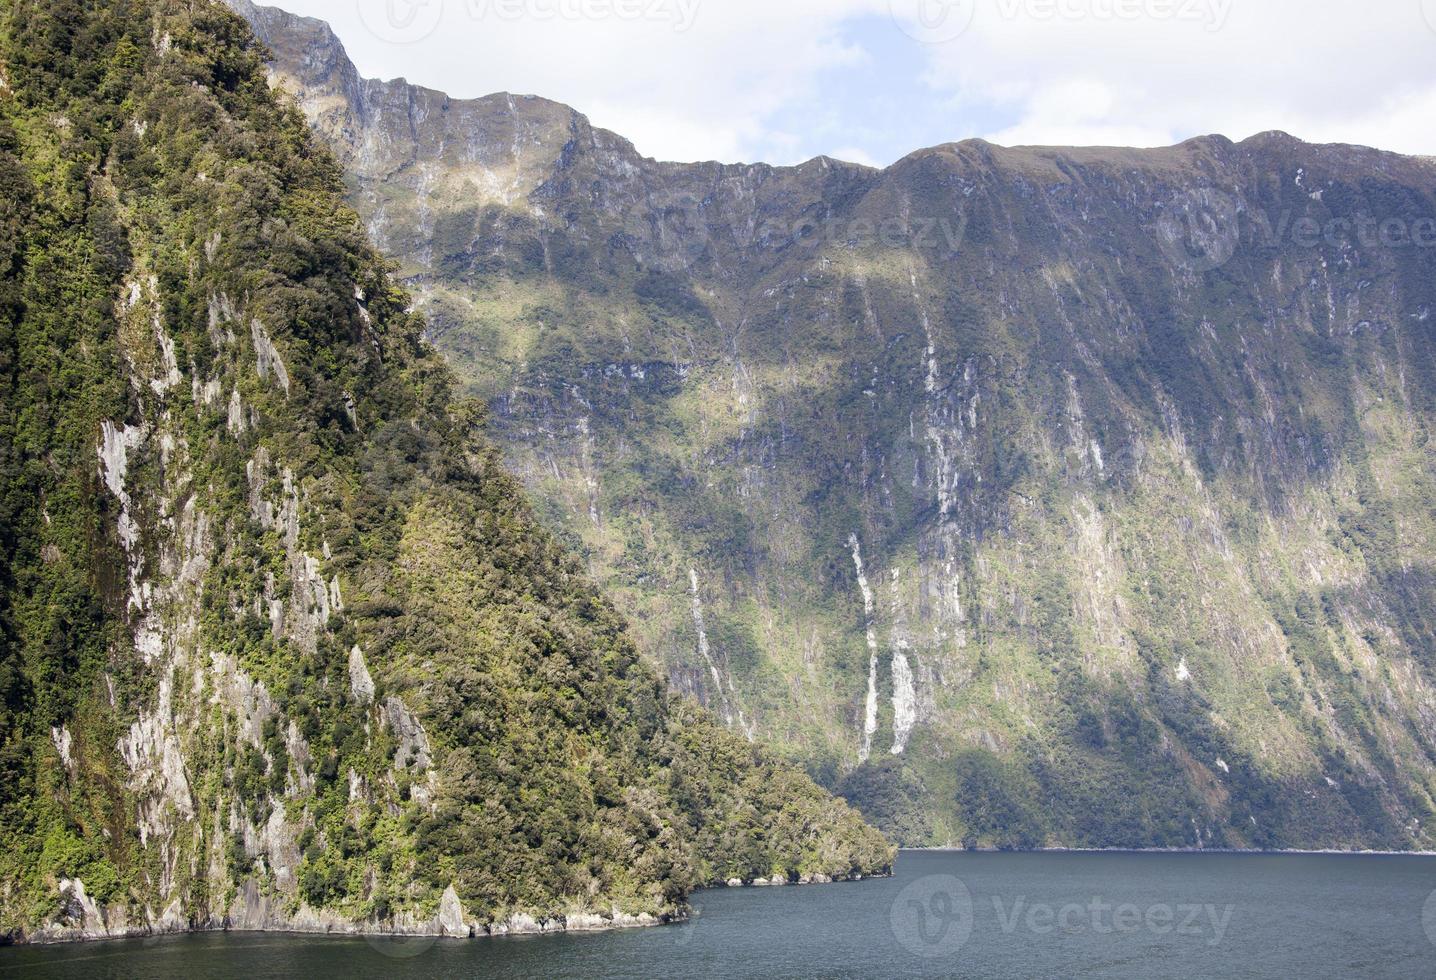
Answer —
1025 495
281 644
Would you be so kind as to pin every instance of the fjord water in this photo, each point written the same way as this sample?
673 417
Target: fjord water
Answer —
943 915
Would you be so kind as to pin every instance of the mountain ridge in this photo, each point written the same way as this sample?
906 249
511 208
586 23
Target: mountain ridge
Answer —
282 644
1026 496
316 35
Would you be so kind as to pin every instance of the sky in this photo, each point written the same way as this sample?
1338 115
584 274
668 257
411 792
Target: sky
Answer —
782 81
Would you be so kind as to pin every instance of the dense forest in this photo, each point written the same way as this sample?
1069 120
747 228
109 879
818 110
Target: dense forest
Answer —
281 643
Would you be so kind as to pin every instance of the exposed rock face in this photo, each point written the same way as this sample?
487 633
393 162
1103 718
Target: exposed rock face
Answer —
451 914
1137 445
361 685
253 911
299 657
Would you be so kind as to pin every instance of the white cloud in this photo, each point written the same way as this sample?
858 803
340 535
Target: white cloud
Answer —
702 92
854 154
782 80
1323 69
1077 112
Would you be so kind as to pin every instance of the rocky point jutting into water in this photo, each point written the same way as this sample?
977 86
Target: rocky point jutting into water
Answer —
1027 496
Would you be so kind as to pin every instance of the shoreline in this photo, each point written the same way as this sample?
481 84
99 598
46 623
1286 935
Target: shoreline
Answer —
802 880
581 922
1255 852
444 927
356 930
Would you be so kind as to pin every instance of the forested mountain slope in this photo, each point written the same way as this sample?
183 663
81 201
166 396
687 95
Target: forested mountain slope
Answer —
281 645
1066 496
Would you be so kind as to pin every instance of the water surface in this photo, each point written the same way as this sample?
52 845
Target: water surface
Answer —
1270 917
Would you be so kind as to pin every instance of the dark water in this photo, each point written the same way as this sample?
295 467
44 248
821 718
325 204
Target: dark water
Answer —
944 915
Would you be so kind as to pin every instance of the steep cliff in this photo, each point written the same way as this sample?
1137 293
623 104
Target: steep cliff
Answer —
1025 495
281 645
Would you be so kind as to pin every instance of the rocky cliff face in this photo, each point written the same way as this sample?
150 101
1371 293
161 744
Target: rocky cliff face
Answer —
281 645
1027 495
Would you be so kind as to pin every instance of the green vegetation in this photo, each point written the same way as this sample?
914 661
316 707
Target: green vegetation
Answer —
1156 544
278 635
